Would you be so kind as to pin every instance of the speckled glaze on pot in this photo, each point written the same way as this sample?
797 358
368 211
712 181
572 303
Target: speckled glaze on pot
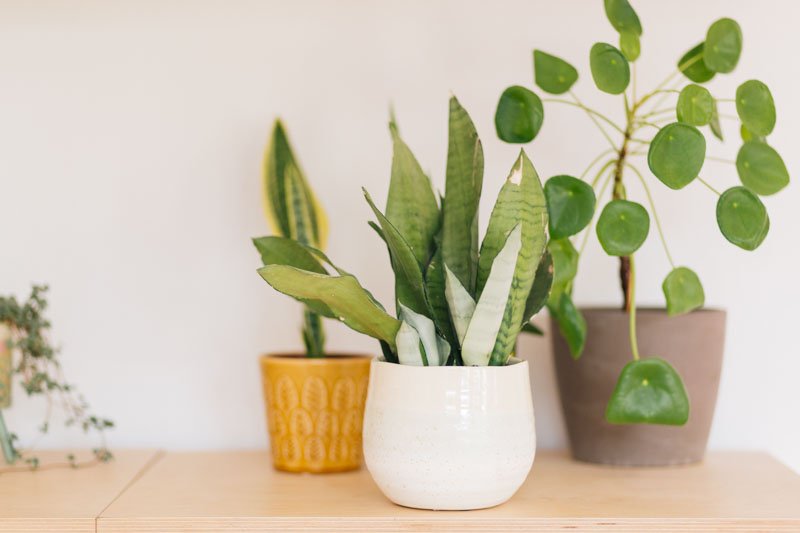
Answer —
449 438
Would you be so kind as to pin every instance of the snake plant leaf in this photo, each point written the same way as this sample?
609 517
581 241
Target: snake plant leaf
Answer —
282 251
695 105
533 329
435 289
742 218
649 391
463 183
348 301
714 123
411 206
693 66
629 45
683 291
553 75
723 45
519 115
565 264
461 304
289 202
610 69
313 334
570 322
540 290
410 350
479 341
409 283
570 205
755 107
622 227
622 16
676 154
761 168
444 350
427 334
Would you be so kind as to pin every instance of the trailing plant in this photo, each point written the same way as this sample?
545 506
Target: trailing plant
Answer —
663 126
294 213
457 303
29 355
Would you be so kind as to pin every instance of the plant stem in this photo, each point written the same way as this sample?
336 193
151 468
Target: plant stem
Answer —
589 111
704 182
5 442
655 213
632 312
591 223
595 160
720 160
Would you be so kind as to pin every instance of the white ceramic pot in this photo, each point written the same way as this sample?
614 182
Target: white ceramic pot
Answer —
449 438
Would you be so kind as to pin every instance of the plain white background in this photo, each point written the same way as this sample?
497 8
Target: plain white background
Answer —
131 136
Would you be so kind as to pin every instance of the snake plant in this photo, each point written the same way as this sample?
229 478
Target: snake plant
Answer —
293 212
457 303
662 125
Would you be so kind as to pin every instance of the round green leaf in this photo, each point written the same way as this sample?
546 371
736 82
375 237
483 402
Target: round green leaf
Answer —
622 227
748 135
622 16
683 291
610 69
649 391
553 74
723 45
570 205
695 105
761 168
676 154
630 45
742 218
519 115
565 263
755 107
693 66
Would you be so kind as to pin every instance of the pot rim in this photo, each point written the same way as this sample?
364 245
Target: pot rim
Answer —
649 309
301 357
514 362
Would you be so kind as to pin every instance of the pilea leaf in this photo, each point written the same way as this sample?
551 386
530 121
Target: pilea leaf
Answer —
695 105
683 291
622 227
693 66
676 154
519 115
610 69
570 204
553 74
761 168
748 135
622 16
742 218
629 45
723 45
755 107
571 323
649 391
565 263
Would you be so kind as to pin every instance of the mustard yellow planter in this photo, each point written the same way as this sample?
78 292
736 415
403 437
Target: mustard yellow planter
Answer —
315 409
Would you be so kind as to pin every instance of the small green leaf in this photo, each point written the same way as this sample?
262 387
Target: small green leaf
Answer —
755 107
683 291
610 69
649 391
714 124
676 154
630 45
570 204
519 115
571 324
553 74
695 105
532 329
761 168
622 227
723 45
693 66
622 16
742 218
565 263
748 136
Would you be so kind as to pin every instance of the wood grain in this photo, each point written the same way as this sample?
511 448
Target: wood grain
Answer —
66 499
236 491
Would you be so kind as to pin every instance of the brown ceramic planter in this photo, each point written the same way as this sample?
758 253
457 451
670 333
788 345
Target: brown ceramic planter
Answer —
692 343
315 410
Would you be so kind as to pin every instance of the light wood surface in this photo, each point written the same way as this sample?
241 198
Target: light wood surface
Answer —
66 499
239 491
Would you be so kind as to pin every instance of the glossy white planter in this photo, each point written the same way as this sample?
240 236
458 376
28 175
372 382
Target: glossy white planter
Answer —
449 438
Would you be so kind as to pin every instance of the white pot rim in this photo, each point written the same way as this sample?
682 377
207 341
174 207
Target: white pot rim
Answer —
514 365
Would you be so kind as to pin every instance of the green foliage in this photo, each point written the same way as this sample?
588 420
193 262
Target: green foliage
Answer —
519 115
610 69
695 105
676 154
622 16
570 205
630 45
692 66
742 218
622 227
552 74
723 46
571 323
755 107
761 168
649 391
683 291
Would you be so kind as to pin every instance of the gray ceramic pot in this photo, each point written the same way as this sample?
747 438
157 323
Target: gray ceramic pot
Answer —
692 343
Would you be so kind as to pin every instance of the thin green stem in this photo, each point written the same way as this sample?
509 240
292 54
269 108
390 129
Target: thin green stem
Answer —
658 112
600 172
595 161
597 122
655 213
632 311
725 99
591 112
708 185
721 160
591 223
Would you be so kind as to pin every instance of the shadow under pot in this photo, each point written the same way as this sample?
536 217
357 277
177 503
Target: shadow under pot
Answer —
449 437
315 410
692 343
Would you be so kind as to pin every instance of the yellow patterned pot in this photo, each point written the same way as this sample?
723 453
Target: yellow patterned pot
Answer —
315 409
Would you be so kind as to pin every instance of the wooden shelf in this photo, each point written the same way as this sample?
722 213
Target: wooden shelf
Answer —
235 491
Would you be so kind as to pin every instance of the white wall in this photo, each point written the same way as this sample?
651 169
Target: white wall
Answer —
131 136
